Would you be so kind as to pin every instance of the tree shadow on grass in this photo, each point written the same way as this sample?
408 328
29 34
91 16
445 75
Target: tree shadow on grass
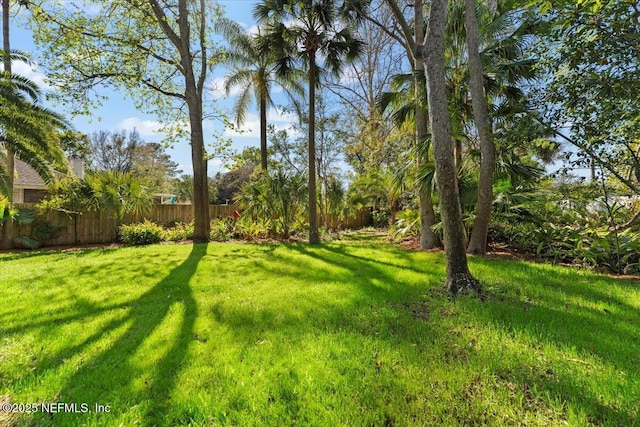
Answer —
585 315
121 376
337 296
376 307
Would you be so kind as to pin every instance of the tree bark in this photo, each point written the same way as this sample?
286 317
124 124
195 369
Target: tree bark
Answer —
458 153
314 235
478 240
428 239
193 96
6 239
459 279
263 134
199 162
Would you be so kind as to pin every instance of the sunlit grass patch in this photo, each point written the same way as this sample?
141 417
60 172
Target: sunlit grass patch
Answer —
346 333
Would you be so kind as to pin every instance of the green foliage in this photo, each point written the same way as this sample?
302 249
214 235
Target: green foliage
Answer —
593 76
27 242
44 231
183 188
382 190
253 229
27 129
178 231
569 225
276 196
119 193
407 224
40 230
222 229
144 233
69 195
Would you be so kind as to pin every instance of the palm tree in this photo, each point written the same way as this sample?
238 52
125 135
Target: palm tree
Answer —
254 70
311 31
498 38
29 132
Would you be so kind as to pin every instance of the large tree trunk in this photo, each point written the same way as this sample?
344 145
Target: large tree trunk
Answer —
193 96
263 134
478 241
200 184
459 279
6 239
314 235
428 239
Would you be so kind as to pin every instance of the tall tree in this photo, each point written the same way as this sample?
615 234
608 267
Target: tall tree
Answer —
5 238
254 71
478 240
594 91
459 279
158 51
153 165
410 39
430 51
29 132
114 151
314 32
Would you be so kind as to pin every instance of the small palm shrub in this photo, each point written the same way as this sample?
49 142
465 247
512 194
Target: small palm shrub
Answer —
250 229
407 224
277 197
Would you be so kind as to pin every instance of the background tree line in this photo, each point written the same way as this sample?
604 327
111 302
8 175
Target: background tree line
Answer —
454 117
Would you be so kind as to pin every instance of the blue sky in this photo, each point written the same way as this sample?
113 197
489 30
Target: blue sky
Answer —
119 112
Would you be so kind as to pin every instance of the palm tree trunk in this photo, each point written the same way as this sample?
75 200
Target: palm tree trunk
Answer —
459 279
314 235
478 240
428 239
6 239
263 133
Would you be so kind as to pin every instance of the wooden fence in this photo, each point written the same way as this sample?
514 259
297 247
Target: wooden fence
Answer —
99 227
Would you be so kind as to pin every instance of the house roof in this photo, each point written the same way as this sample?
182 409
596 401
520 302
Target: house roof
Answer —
27 177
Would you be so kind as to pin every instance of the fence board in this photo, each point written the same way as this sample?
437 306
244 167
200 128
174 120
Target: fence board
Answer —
98 227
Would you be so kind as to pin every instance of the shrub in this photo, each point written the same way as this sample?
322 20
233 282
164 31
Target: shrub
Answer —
143 233
250 229
44 231
407 224
179 231
222 229
277 196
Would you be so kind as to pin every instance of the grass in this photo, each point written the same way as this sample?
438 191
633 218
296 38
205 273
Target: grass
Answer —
347 333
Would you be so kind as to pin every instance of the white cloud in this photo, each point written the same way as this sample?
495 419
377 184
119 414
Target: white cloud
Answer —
144 127
249 129
251 126
253 30
31 72
216 89
278 115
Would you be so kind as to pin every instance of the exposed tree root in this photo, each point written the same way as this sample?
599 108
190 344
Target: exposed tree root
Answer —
464 283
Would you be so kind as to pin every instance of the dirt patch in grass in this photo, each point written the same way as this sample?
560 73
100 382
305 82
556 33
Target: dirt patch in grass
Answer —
418 309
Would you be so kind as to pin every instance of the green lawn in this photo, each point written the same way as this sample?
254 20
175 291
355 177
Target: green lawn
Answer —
348 333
